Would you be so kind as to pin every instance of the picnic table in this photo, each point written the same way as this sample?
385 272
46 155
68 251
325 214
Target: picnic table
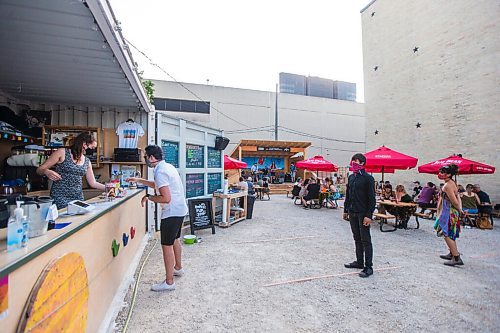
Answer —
259 191
401 217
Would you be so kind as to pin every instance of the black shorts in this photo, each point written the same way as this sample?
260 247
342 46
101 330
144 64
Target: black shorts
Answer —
307 198
170 229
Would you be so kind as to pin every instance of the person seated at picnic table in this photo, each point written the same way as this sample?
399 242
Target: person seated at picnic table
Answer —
250 186
242 185
416 189
303 190
427 197
387 193
484 206
470 200
312 192
401 195
297 186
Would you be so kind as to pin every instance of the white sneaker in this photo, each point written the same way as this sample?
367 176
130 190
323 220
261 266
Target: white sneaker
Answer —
163 286
179 272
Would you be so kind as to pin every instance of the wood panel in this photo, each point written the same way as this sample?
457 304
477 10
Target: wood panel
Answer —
59 299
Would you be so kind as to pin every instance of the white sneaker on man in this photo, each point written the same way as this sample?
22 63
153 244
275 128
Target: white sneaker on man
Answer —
163 286
179 272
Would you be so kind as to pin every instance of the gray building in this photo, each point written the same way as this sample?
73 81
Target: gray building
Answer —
317 87
336 128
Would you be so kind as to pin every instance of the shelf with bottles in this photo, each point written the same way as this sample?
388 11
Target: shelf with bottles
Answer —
54 137
17 136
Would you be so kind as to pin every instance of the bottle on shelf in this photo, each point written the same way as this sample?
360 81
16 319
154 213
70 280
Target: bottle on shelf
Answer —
28 184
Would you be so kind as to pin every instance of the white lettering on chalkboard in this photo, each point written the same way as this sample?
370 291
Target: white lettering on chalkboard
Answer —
201 219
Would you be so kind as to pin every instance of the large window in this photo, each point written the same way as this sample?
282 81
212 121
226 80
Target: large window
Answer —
181 105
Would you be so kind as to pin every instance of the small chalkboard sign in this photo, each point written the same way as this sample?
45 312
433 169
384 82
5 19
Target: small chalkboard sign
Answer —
214 158
170 152
200 214
195 156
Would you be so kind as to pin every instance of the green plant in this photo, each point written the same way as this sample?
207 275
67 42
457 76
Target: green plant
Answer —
148 86
150 90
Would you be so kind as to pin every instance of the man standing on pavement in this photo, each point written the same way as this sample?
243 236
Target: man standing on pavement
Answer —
359 205
167 182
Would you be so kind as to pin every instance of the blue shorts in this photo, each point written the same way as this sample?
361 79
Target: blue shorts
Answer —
471 211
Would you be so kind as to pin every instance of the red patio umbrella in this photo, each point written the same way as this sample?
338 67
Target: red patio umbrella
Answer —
232 163
317 163
465 166
386 160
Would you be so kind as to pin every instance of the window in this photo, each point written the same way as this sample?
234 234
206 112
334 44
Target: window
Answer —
182 105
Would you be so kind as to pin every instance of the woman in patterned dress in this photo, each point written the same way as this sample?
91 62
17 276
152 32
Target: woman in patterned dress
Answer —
70 166
449 213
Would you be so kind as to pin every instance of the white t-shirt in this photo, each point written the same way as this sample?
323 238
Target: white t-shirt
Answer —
166 175
128 134
243 185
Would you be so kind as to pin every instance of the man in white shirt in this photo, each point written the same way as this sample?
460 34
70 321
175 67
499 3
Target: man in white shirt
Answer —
167 182
253 170
243 185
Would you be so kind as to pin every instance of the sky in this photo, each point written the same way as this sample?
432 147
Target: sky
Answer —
245 44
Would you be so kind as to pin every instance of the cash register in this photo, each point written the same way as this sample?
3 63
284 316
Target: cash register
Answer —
78 207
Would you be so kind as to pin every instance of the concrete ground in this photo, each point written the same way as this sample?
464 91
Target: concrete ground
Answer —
228 285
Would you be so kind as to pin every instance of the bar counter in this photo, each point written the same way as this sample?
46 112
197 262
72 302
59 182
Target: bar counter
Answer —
104 242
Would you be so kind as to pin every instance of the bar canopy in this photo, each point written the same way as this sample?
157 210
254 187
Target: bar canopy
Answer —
57 51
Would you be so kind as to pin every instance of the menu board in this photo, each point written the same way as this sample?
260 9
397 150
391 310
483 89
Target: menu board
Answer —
214 181
195 156
214 158
195 184
200 214
170 152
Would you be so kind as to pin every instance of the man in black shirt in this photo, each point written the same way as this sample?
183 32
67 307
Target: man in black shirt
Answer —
312 192
359 205
417 189
484 199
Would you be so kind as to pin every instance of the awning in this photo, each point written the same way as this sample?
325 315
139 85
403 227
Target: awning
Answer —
66 52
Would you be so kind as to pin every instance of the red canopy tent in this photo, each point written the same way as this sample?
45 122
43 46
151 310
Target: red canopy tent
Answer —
317 163
465 166
386 160
232 163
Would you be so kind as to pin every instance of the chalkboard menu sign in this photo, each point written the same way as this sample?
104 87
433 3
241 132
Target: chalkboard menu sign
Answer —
200 214
195 184
170 152
195 156
214 181
214 158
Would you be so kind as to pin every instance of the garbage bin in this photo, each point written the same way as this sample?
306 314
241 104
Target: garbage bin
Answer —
250 202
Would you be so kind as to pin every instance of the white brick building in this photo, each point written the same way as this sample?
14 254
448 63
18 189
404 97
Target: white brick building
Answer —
436 63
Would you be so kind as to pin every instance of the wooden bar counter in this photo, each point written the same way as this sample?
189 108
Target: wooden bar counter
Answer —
67 279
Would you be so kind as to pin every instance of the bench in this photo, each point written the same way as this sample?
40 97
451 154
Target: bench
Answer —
383 220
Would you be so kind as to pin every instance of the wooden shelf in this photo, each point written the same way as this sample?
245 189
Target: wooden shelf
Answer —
48 130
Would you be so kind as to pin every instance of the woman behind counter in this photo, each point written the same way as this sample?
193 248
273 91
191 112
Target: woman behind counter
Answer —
70 166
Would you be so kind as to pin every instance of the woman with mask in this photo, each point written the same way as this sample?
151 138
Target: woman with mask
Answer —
70 165
449 212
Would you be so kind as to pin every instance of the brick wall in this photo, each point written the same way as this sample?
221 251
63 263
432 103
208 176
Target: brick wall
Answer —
451 84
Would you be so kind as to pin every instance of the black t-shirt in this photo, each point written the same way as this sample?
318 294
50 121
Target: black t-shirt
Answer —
416 190
313 190
483 197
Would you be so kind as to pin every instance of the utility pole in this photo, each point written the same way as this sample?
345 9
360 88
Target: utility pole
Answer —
276 115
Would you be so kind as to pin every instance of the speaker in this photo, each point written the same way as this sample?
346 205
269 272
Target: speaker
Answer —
221 142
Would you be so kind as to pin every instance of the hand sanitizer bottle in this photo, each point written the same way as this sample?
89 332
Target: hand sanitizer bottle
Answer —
15 229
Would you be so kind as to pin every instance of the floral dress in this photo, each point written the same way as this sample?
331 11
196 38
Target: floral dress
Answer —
448 222
70 187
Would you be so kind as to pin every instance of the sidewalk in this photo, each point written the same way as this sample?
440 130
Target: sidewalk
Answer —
228 282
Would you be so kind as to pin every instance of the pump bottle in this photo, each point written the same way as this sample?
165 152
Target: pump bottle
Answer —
15 229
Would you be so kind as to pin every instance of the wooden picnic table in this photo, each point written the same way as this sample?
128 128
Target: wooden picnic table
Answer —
403 213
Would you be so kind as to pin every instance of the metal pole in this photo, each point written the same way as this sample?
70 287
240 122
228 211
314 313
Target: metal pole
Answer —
276 115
